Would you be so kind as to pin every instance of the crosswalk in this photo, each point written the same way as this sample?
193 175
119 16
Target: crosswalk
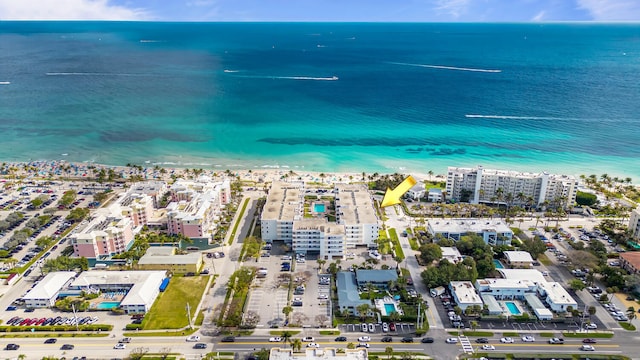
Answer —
466 344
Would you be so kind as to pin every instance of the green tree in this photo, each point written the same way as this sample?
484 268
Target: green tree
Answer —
576 285
388 351
363 310
286 335
534 246
287 310
591 310
77 214
321 263
296 344
585 199
430 253
351 345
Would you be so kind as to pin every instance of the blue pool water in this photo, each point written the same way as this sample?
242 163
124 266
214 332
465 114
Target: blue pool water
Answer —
319 208
498 264
389 308
513 309
107 305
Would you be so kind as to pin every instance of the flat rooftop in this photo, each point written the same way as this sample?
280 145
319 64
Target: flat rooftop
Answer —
461 226
354 205
284 202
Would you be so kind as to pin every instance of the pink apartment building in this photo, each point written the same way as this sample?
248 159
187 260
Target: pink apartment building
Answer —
104 236
196 206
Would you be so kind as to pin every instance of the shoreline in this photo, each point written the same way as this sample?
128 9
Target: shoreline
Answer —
61 169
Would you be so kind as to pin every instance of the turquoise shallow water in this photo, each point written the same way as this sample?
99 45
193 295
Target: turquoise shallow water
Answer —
324 97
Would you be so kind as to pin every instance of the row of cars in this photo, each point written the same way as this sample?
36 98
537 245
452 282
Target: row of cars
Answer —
371 327
617 314
19 321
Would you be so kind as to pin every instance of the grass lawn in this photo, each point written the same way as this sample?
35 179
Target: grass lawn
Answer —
571 334
169 310
544 259
396 244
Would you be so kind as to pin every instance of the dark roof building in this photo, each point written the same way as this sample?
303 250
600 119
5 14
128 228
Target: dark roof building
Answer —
348 296
375 277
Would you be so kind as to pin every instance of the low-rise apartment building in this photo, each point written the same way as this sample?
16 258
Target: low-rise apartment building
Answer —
492 231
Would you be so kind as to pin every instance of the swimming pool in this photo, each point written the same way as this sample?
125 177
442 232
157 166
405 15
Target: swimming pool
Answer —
389 308
498 264
318 207
513 308
107 305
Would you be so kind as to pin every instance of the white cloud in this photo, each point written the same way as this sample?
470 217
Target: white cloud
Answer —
455 8
612 10
68 10
539 16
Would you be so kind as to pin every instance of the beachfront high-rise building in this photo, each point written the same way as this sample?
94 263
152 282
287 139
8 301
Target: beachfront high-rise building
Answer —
480 185
634 223
155 189
355 210
196 206
104 236
137 207
284 205
283 218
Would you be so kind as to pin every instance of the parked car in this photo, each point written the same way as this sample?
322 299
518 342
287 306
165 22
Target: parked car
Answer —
592 326
385 327
392 326
372 327
363 327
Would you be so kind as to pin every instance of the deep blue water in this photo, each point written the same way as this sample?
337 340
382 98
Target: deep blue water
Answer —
324 96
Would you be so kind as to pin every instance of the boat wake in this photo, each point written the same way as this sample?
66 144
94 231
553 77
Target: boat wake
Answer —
449 67
231 71
509 117
151 41
93 74
332 78
5 82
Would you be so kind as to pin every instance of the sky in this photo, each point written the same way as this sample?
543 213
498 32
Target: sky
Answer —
324 10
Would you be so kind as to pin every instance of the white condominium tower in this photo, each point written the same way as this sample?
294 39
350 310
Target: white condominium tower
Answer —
479 185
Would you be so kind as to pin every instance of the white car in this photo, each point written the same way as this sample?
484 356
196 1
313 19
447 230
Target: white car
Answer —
120 346
592 326
506 340
488 347
323 296
275 339
363 344
587 348
313 345
452 340
308 339
528 338
364 338
193 338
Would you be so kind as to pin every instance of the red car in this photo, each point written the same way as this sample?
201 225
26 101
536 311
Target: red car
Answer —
41 321
392 326
589 341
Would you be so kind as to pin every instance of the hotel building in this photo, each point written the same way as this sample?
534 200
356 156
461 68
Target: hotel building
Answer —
479 185
634 223
195 206
355 210
106 235
494 232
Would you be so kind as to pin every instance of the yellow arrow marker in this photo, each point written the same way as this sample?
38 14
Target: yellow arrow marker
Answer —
392 197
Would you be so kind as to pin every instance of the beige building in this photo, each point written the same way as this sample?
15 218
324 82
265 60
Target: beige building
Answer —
165 258
318 354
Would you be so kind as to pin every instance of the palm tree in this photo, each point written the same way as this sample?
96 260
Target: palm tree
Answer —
389 351
363 310
287 310
296 344
631 313
285 336
321 263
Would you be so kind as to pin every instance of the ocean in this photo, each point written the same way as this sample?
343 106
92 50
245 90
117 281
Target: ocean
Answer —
372 97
